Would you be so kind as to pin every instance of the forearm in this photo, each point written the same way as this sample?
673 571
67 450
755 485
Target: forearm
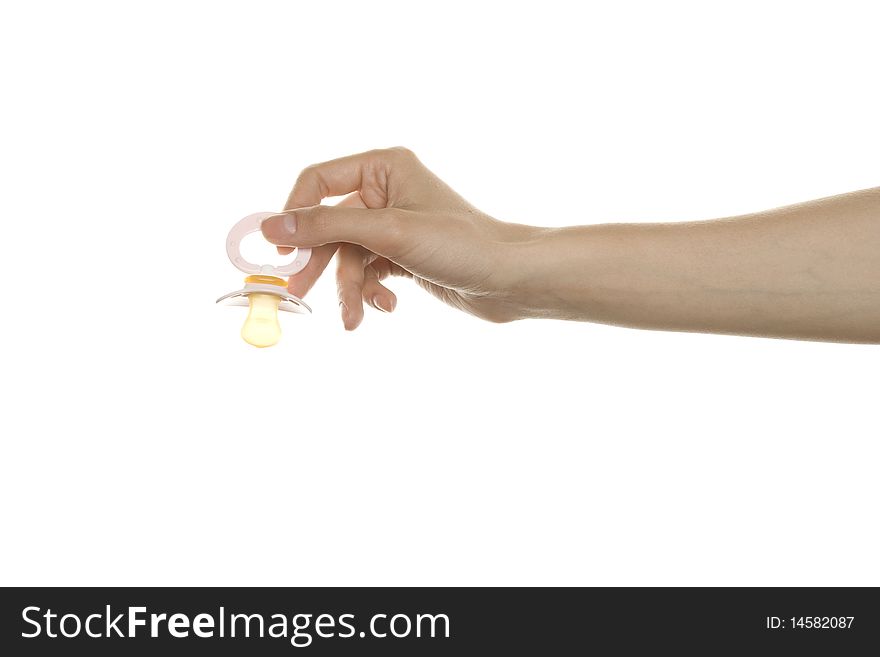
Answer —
809 271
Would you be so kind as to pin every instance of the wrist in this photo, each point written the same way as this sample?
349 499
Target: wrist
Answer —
546 273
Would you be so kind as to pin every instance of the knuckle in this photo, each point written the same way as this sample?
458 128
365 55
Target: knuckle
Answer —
402 152
349 278
398 155
306 174
383 160
310 176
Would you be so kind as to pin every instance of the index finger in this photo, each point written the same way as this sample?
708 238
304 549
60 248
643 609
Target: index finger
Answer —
337 177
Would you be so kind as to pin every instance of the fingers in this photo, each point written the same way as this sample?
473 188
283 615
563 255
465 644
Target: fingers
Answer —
306 223
376 294
299 284
350 262
384 231
332 178
357 281
385 268
365 172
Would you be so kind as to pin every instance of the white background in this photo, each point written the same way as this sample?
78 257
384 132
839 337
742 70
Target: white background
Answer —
144 443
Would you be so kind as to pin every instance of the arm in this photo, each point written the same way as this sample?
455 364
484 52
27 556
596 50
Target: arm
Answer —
808 271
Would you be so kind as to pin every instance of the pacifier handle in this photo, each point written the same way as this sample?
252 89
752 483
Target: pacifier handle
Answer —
251 224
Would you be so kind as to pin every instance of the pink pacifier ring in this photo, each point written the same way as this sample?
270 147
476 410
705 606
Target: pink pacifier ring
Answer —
251 224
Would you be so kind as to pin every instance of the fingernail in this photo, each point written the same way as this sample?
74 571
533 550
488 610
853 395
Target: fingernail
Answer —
383 304
288 221
344 309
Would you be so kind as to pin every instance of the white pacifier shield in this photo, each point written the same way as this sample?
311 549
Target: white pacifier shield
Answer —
251 224
288 302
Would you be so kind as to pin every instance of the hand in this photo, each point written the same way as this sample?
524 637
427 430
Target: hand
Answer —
398 219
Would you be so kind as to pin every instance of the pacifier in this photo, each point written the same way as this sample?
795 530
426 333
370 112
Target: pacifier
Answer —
264 291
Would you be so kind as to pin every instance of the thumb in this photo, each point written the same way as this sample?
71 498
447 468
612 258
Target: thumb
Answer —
379 230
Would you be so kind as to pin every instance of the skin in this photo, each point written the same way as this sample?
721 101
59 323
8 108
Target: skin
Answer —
808 271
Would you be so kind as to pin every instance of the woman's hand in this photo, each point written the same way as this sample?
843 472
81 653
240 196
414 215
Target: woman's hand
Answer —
398 219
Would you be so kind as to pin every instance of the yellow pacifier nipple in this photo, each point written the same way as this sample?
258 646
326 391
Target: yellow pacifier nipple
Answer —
261 328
